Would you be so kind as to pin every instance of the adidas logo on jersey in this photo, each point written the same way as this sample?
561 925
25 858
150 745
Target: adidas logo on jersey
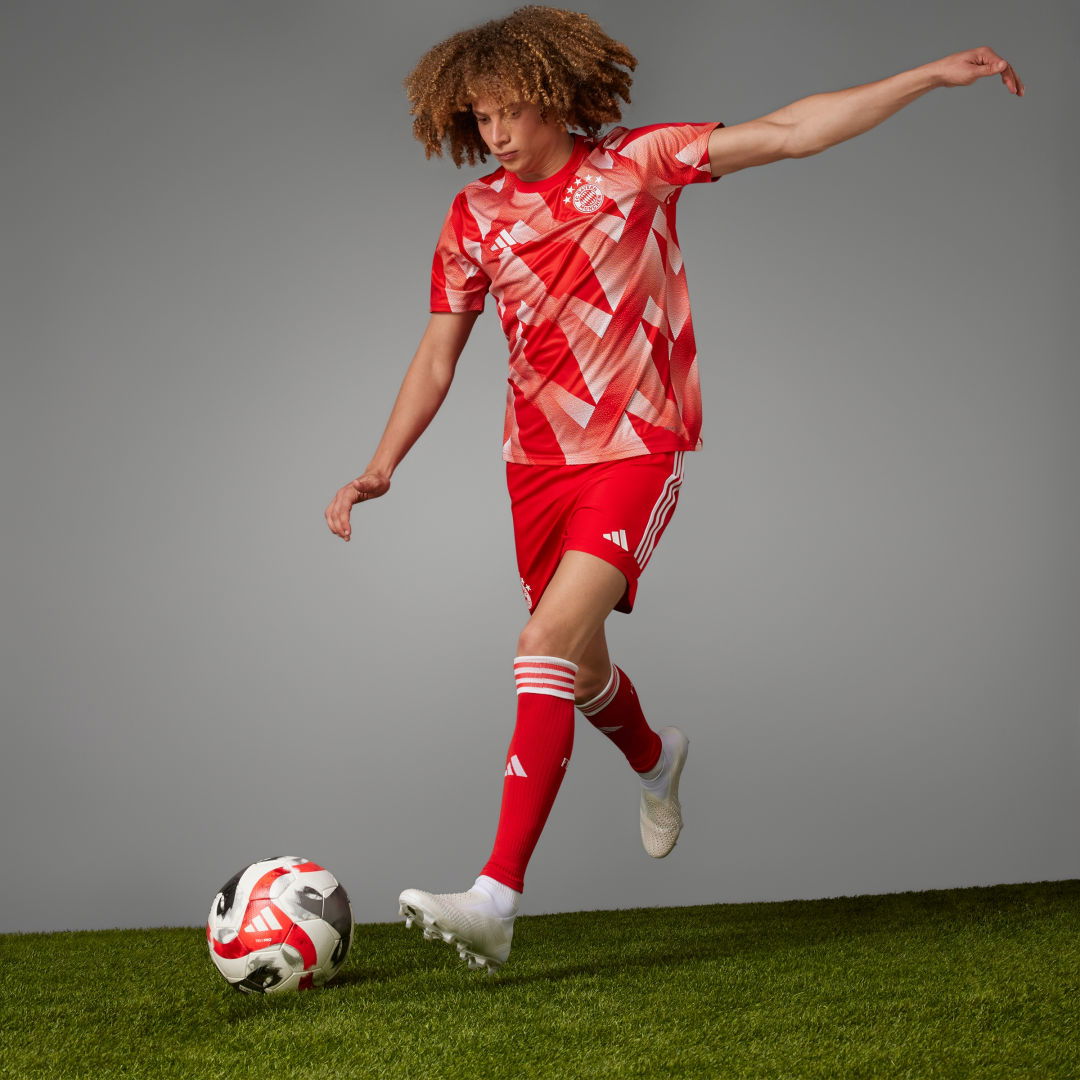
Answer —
516 234
503 240
618 538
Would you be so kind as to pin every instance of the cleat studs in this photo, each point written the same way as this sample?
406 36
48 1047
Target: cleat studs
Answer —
433 927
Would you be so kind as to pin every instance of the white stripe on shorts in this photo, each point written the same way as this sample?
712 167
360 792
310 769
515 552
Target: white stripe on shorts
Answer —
661 512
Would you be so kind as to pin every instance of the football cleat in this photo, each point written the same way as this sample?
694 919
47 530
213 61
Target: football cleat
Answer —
661 815
463 920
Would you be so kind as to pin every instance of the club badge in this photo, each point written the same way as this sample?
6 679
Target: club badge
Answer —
584 194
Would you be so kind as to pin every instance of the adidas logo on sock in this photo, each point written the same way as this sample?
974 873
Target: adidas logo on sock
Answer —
619 538
609 730
513 767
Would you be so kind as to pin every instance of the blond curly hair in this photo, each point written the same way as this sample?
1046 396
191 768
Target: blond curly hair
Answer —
560 60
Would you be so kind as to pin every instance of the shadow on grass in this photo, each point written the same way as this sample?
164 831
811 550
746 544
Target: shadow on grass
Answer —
694 936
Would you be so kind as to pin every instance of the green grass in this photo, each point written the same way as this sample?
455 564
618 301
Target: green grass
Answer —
978 982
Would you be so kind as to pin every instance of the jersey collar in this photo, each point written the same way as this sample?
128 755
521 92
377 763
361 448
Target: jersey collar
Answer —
560 177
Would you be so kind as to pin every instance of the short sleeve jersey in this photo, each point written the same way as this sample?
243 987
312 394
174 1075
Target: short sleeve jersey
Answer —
591 291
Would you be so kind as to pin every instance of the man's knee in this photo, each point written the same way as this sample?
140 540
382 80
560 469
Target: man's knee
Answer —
537 639
540 638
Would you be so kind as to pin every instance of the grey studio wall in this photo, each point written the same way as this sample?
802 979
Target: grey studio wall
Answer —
218 233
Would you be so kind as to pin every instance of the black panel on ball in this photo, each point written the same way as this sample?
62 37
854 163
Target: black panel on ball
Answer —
337 913
258 981
309 899
228 893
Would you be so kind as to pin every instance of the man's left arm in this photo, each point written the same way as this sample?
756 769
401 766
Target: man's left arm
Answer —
815 123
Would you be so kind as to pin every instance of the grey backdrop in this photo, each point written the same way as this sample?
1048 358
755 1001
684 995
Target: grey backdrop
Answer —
218 232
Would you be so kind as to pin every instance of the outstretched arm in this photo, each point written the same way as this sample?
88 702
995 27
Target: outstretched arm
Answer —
815 123
422 392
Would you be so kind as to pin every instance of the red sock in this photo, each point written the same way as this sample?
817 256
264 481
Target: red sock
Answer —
617 713
535 763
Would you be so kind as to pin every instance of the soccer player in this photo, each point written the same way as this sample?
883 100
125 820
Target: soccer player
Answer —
574 235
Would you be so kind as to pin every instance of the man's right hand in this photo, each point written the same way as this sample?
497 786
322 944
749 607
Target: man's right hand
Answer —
369 486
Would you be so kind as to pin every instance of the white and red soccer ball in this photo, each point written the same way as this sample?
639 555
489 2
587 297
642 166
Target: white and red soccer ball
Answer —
280 924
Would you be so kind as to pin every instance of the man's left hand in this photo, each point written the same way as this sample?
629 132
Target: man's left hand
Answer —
963 68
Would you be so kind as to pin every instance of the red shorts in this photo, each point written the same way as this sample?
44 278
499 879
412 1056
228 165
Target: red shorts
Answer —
616 510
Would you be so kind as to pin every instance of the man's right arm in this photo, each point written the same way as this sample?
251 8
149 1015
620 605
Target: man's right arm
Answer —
422 392
424 387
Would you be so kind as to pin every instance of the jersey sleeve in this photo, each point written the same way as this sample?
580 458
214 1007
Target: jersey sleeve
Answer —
667 155
458 282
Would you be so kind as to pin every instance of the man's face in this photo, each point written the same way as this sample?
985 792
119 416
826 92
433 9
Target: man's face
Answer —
515 134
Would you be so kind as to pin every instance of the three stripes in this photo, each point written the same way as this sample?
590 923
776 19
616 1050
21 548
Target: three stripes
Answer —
545 675
661 511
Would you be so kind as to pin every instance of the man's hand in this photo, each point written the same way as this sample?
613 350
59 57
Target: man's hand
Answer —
963 68
369 486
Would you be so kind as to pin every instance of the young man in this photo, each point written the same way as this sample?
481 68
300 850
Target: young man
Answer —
575 237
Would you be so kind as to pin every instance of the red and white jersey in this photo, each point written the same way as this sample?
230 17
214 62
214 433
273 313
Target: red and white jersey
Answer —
591 290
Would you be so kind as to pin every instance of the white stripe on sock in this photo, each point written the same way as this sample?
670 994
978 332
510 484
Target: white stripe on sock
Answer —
550 675
550 659
605 697
567 694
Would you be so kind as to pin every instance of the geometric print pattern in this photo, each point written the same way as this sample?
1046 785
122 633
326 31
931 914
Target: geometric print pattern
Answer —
590 287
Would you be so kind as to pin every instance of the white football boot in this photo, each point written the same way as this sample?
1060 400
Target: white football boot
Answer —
661 814
466 920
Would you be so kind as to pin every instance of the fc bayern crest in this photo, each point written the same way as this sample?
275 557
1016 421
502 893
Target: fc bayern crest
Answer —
585 195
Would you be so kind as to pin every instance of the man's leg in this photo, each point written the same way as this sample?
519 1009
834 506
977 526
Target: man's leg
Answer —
556 638
573 607
594 669
578 599
608 700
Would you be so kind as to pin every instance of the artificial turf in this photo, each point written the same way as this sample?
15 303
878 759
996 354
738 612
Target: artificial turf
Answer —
977 982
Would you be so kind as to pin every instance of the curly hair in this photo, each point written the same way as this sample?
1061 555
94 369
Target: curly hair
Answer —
560 60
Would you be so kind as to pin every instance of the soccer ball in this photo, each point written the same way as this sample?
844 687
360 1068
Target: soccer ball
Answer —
280 924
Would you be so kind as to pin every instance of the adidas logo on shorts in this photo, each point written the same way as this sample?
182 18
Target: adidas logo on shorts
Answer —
618 538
